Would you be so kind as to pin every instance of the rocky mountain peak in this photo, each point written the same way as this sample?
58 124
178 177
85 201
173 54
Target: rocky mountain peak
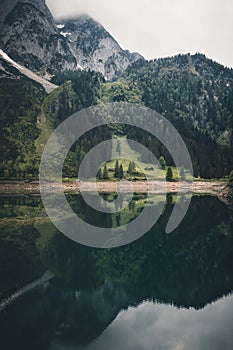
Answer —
30 36
94 47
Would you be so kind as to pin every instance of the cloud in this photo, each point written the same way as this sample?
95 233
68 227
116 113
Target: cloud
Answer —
157 28
159 326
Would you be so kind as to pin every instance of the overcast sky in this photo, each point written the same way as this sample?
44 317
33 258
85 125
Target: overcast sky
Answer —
158 28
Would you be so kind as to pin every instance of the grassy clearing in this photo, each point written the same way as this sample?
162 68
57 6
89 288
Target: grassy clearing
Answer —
122 152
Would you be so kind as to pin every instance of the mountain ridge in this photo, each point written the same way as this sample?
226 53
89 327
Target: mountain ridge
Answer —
31 36
94 48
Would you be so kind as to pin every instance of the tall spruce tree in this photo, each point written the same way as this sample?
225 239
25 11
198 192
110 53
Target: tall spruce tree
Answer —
121 172
117 170
162 162
169 176
105 173
100 174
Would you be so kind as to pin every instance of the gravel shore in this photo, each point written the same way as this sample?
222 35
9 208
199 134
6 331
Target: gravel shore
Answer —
213 188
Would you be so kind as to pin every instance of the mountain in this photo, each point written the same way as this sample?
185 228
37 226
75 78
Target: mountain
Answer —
194 93
94 48
30 36
191 89
8 5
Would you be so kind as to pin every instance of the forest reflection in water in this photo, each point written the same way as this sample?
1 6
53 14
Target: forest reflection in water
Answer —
157 286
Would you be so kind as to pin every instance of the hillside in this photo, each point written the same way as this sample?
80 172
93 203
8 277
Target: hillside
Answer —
194 93
18 127
196 98
190 88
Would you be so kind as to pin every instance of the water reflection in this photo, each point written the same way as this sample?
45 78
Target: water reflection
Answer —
157 326
190 268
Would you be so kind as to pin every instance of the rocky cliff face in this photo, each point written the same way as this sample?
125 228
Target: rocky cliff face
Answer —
94 48
30 36
8 5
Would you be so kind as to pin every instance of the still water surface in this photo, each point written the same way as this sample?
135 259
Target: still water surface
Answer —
167 292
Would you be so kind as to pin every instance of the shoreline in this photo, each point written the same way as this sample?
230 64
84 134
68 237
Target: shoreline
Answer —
160 187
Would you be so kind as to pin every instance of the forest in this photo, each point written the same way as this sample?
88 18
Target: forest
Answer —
194 93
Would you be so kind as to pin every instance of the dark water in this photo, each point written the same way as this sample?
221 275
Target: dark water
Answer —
161 292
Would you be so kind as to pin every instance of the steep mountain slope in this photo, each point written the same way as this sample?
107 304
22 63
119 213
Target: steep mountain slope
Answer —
20 105
80 90
94 48
189 89
196 95
171 89
30 36
183 89
8 5
11 69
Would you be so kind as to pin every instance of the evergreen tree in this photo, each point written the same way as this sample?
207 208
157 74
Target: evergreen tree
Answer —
121 172
131 168
117 170
105 173
169 176
100 174
162 162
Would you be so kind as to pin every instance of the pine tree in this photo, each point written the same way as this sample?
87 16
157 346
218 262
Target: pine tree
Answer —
121 172
100 174
169 176
131 168
162 162
117 170
134 167
105 173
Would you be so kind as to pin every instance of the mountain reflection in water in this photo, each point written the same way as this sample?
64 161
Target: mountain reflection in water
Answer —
152 294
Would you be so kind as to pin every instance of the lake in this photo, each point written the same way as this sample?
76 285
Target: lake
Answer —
164 291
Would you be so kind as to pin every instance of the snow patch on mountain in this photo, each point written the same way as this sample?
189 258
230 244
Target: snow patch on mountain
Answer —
30 36
94 48
48 86
8 59
60 26
65 34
